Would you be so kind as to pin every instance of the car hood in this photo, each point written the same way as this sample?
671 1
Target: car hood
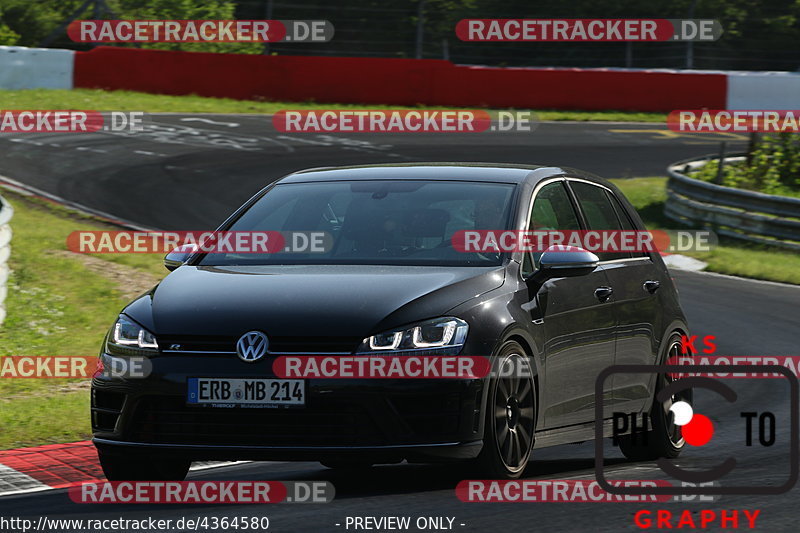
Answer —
306 300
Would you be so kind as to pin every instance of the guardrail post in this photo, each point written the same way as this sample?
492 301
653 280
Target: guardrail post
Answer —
5 251
751 147
721 165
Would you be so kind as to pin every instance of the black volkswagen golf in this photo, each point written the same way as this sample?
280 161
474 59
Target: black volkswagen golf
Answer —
391 282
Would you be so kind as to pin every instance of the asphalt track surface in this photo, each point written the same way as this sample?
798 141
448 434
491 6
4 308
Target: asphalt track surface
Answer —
185 173
191 172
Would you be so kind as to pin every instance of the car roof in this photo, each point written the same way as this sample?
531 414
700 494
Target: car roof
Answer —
492 172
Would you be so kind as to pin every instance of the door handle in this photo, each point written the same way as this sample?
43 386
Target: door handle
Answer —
603 293
651 286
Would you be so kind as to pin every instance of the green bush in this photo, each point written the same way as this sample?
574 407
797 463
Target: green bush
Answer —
771 167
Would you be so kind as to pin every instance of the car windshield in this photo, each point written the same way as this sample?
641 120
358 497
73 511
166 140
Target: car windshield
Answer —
375 222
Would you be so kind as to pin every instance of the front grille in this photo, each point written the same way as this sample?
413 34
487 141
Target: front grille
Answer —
168 420
197 343
204 343
314 344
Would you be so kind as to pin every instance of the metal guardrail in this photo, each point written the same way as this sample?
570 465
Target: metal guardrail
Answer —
6 212
747 215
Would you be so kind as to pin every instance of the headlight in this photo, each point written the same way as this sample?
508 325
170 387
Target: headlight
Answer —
129 338
439 336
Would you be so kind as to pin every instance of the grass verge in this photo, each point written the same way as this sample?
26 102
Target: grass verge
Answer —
733 257
58 303
99 100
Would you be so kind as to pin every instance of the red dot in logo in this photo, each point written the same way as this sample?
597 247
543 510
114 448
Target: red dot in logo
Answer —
698 431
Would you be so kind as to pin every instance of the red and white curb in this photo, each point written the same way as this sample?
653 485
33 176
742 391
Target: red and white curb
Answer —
46 467
56 466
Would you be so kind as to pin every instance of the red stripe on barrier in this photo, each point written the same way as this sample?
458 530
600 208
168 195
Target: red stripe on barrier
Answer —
583 89
245 76
56 465
387 81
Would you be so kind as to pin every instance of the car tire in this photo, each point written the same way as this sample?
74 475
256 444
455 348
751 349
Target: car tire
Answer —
510 418
149 468
664 439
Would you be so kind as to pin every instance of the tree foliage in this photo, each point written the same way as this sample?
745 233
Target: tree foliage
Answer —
33 20
758 34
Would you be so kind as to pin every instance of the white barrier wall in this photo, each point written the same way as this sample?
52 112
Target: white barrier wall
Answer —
763 90
5 252
35 68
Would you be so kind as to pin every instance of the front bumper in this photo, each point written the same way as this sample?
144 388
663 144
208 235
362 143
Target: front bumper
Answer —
448 451
384 419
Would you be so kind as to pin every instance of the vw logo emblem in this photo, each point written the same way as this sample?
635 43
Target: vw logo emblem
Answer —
252 346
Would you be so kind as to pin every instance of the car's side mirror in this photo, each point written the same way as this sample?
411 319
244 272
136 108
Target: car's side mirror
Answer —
179 256
565 261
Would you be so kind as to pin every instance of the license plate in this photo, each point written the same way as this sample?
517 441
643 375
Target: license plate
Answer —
228 392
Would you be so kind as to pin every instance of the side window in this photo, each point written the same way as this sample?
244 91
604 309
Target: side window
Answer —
599 213
623 217
552 210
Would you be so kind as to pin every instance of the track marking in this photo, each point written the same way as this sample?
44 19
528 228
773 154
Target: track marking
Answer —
699 138
203 137
209 121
